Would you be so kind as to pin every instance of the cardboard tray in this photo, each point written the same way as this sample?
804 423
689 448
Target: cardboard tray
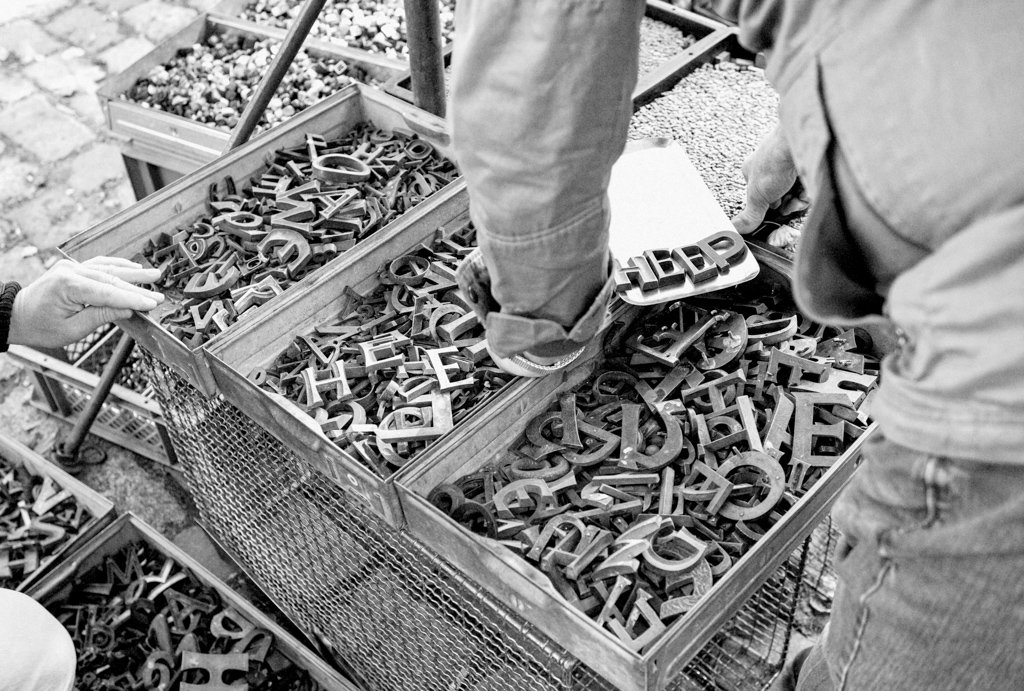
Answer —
181 144
125 233
101 509
524 588
129 529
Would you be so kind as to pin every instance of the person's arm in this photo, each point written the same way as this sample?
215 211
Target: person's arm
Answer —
71 300
540 106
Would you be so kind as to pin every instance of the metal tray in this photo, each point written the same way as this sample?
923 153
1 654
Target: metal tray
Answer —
101 509
234 8
512 580
180 144
129 529
725 39
705 30
233 358
125 233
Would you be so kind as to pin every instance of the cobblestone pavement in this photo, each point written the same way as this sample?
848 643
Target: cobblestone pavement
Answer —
60 173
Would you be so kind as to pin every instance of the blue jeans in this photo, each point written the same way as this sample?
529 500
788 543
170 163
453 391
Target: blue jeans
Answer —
931 578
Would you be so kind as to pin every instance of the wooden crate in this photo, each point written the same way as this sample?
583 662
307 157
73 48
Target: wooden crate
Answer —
129 529
14 453
126 233
705 30
178 144
523 587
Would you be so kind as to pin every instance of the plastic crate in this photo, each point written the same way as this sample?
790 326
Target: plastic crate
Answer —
129 417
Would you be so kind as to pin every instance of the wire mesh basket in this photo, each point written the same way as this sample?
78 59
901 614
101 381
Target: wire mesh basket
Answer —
397 614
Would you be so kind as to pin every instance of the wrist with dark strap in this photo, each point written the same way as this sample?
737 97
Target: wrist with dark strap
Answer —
7 295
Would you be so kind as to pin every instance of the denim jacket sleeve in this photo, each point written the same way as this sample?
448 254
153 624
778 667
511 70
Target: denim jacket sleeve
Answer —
540 106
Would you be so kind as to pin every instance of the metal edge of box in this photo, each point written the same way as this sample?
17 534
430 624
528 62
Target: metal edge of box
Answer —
233 8
128 528
378 66
115 84
101 508
670 654
707 32
68 373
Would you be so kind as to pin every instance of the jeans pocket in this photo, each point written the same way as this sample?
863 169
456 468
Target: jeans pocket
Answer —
897 493
933 507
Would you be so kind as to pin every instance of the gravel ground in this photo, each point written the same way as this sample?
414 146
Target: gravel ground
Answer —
660 42
719 113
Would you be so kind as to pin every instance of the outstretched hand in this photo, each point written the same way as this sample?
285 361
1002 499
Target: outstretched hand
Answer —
770 174
71 300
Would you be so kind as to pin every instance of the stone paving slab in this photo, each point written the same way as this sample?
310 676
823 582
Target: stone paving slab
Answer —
46 132
60 172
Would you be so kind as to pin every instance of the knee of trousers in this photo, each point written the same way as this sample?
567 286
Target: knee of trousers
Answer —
36 651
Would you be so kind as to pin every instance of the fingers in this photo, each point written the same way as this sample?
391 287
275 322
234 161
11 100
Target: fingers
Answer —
112 261
783 236
103 294
124 269
752 215
91 318
132 274
114 281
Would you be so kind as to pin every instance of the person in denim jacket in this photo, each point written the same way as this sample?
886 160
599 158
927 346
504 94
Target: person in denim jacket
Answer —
903 121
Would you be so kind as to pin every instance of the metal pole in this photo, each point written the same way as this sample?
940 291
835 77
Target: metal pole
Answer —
426 62
67 449
293 41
